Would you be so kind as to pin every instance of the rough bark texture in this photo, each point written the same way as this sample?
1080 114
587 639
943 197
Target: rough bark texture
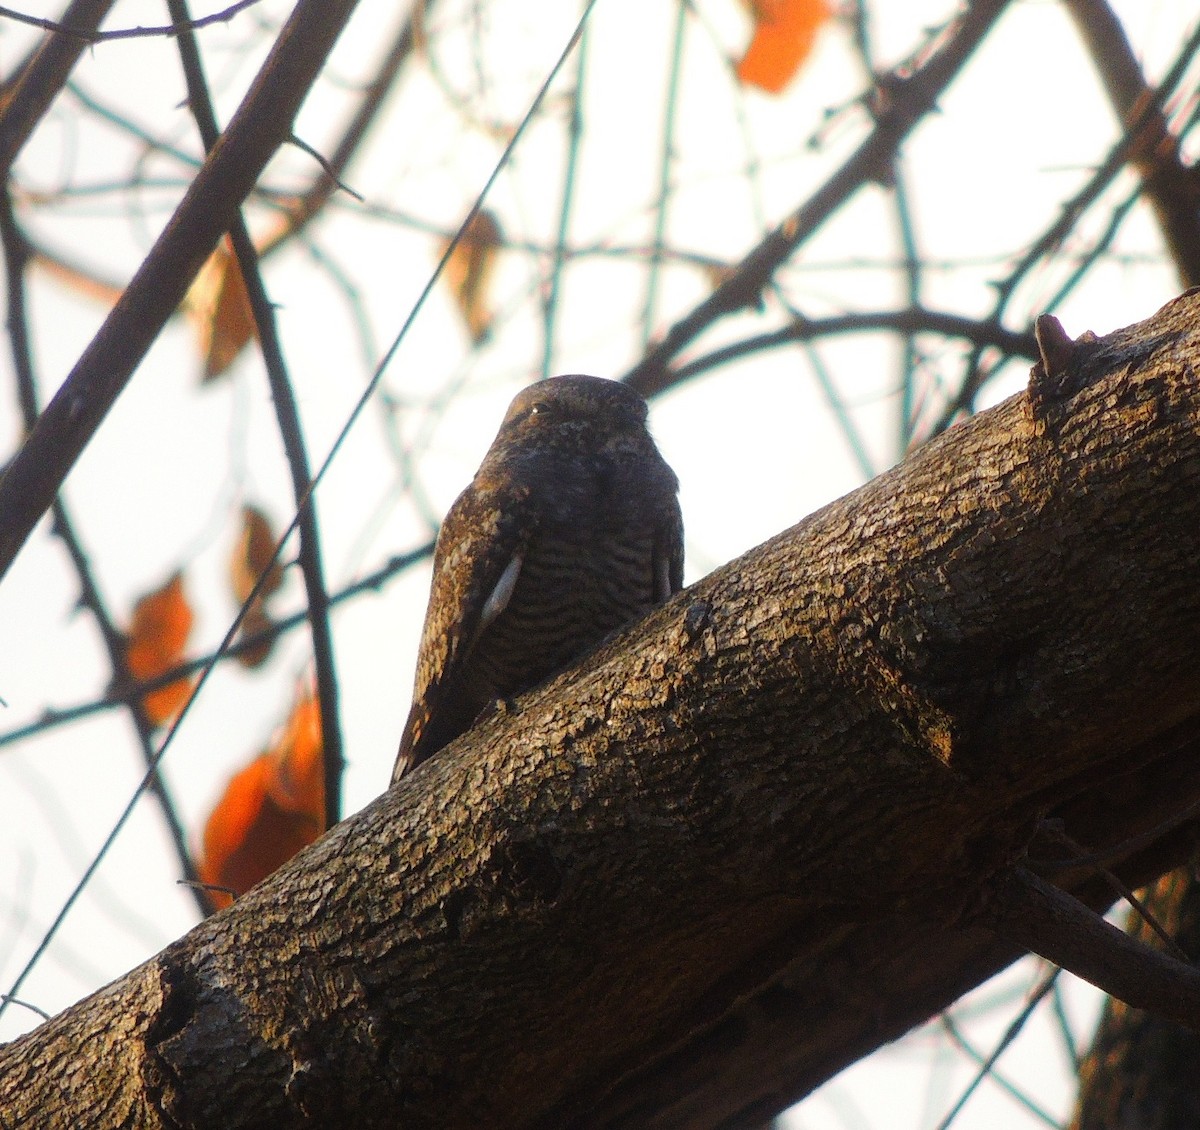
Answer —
740 846
1142 1071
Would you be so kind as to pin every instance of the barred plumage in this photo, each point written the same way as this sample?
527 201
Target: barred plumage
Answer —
570 529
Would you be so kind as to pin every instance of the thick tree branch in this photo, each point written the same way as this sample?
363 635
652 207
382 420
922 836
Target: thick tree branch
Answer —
743 844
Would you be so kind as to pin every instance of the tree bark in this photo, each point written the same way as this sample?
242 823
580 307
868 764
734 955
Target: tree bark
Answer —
746 842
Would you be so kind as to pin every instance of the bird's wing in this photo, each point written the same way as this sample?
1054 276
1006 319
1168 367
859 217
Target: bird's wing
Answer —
475 569
668 552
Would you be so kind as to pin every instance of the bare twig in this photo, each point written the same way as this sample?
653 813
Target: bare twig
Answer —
16 258
262 123
1171 187
288 417
126 693
987 1064
909 322
86 34
43 75
304 209
908 100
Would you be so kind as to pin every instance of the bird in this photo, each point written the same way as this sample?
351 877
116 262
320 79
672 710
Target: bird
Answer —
570 529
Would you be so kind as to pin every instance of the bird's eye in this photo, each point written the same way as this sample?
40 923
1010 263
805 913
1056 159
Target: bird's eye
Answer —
541 410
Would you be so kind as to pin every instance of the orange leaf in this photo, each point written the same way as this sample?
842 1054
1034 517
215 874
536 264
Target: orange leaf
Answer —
220 309
469 272
784 33
270 809
76 278
256 620
158 634
248 835
718 273
252 555
298 783
163 703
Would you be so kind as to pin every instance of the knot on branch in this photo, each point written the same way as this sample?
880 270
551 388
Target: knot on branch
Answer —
1056 374
521 873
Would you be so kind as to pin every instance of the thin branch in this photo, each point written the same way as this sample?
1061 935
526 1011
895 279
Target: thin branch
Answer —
905 222
559 252
133 691
913 264
1042 918
16 259
1171 186
290 429
1065 1034
908 101
1067 870
32 1007
262 123
146 140
1100 245
86 35
300 212
986 1065
837 406
666 163
1012 343
330 172
1123 891
42 76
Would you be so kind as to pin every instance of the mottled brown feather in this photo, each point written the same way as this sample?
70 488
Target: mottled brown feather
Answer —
574 484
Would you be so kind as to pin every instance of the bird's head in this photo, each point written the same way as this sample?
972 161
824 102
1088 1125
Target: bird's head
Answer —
574 404
576 413
570 438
